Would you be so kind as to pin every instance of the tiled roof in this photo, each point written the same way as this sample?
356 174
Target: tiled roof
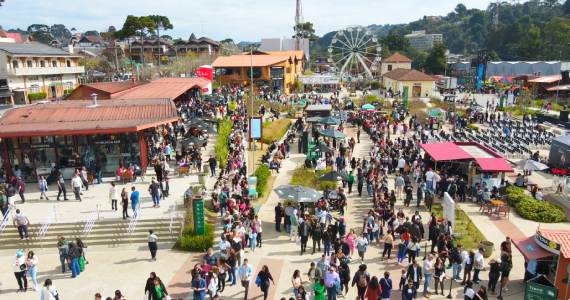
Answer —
408 75
169 88
259 60
78 117
32 48
114 87
397 58
561 237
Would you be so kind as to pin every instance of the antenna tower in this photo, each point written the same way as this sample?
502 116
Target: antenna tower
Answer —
298 22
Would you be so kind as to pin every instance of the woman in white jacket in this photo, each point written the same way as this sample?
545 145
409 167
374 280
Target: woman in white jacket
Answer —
48 292
113 196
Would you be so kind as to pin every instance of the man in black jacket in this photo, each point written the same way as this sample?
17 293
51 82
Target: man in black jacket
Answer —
278 216
414 274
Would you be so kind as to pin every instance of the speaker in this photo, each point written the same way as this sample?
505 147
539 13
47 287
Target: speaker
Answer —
565 77
563 116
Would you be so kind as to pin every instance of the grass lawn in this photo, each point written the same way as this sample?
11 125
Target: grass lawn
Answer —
274 130
310 178
467 234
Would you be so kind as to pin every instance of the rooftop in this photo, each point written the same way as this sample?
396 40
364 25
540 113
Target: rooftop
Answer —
114 87
80 117
397 58
561 237
486 159
408 75
32 48
298 54
259 60
169 88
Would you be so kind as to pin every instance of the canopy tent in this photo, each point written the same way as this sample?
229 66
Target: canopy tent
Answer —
493 164
436 113
529 249
368 107
532 165
334 176
332 133
298 193
314 119
445 151
329 121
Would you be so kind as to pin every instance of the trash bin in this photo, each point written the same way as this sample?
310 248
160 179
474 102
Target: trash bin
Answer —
488 247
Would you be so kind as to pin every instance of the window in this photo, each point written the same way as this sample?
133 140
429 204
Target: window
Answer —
54 64
43 63
389 67
14 64
30 64
68 63
68 85
34 88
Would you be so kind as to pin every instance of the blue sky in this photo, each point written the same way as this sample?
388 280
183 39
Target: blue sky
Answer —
238 19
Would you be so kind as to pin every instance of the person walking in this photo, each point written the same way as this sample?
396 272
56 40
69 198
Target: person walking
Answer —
361 279
296 282
263 280
32 266
113 196
158 292
494 275
135 201
149 286
20 270
350 180
49 292
21 222
388 244
414 274
61 187
154 191
428 270
316 235
43 187
304 231
386 286
332 282
76 184
21 187
279 213
478 265
245 275
212 162
152 244
361 246
374 290
319 289
74 255
439 275
409 292
125 203
63 251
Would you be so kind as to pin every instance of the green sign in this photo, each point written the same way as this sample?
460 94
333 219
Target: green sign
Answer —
405 97
199 224
536 291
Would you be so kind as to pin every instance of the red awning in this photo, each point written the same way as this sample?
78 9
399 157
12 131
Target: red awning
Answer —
445 151
530 250
494 164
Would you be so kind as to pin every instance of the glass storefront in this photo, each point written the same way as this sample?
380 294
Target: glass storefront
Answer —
40 155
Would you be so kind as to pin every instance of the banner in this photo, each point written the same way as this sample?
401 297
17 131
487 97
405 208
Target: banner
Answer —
207 72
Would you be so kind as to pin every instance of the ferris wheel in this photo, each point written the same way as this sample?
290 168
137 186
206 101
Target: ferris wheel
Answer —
355 52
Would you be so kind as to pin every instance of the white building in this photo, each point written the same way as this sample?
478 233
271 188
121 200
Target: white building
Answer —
285 44
37 69
423 41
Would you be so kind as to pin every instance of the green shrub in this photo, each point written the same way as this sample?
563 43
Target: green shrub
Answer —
222 147
515 195
262 173
189 241
375 85
371 98
274 131
37 96
540 211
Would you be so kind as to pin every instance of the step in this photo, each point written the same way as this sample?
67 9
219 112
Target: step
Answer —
45 244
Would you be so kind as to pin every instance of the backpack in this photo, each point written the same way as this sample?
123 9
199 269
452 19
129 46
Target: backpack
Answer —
362 280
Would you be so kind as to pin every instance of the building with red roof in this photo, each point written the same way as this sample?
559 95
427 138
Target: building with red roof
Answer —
395 61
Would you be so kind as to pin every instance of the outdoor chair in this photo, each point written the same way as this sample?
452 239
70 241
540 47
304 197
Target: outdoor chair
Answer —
183 170
506 210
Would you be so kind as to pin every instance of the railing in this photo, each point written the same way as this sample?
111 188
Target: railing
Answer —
43 230
134 220
89 224
6 219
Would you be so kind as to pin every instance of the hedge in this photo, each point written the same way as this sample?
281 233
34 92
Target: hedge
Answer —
532 209
222 147
189 241
274 131
37 96
262 173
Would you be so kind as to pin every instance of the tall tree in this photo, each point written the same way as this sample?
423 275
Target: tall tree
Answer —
436 61
40 33
307 31
566 7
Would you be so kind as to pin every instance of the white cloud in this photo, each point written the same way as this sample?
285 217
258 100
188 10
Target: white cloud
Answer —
237 19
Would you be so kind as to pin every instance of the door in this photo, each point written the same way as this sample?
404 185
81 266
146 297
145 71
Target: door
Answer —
416 91
53 91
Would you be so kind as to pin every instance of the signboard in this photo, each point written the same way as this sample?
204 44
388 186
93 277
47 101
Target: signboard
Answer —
199 224
319 79
256 128
547 244
448 209
206 72
536 291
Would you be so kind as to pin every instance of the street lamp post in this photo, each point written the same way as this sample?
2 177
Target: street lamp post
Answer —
158 26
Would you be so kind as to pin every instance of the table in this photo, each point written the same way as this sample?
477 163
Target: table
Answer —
497 203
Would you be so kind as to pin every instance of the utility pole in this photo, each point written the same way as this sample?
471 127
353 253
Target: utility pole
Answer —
252 100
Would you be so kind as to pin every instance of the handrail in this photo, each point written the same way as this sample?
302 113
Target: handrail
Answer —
6 218
134 220
89 224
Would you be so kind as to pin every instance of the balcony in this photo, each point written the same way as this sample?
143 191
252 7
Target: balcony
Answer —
46 71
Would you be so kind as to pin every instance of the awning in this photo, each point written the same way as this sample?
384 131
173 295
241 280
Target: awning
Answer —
565 87
529 249
445 151
494 165
547 79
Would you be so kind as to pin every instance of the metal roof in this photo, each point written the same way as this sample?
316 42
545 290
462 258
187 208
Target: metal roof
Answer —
80 117
169 88
32 48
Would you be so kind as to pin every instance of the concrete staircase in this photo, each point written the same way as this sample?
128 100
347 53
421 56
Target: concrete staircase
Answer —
108 232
